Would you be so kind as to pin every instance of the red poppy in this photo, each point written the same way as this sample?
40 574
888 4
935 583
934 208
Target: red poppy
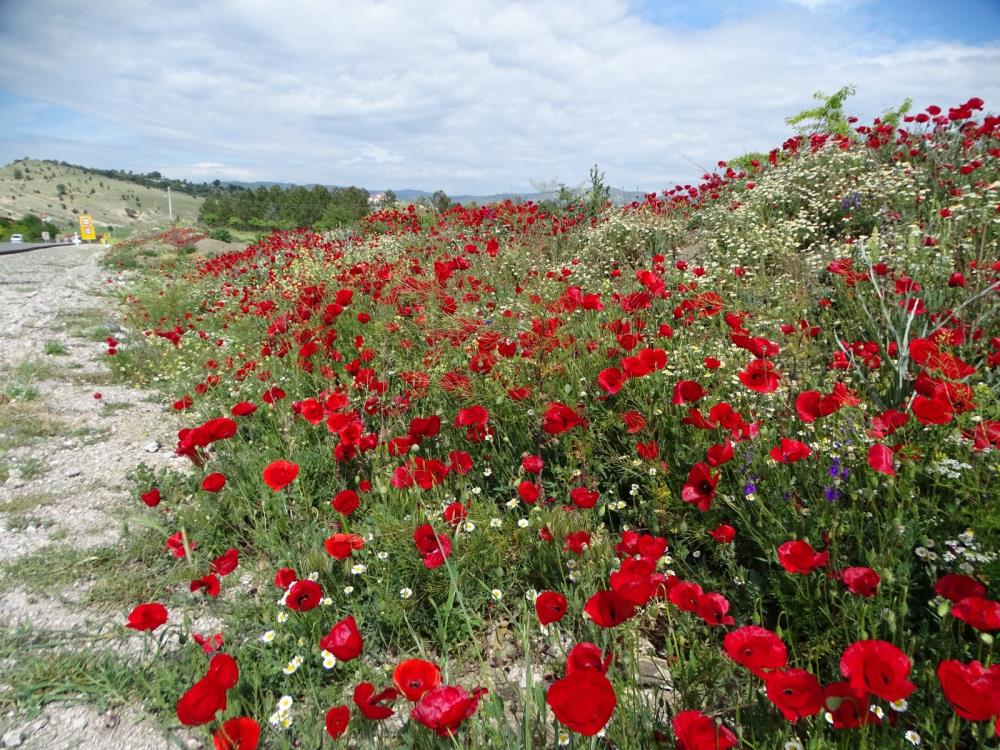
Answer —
209 582
609 608
344 640
810 406
684 595
241 733
583 701
799 557
370 703
147 616
175 543
303 595
337 719
586 655
877 667
339 546
795 692
284 578
550 606
577 541
790 451
687 392
761 376
243 409
414 677
979 612
716 455
443 709
584 498
696 731
648 451
848 707
151 498
226 563
634 422
611 380
213 482
533 464
636 580
455 513
559 418
529 491
971 689
880 459
346 502
699 489
201 702
932 410
434 547
956 587
279 474
723 534
712 608
861 581
756 648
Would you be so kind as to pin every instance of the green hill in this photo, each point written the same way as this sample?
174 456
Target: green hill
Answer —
61 192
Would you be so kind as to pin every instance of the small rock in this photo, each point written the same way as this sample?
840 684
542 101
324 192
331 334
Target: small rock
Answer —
151 447
192 744
654 672
70 473
78 723
12 738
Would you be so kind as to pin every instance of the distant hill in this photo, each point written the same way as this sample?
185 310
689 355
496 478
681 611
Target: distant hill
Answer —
61 192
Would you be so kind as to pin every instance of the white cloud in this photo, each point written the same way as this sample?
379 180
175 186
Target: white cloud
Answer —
472 96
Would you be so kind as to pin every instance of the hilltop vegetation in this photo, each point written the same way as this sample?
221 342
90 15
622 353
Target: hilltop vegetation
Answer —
62 192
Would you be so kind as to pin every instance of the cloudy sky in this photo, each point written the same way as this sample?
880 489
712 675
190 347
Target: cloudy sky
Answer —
472 96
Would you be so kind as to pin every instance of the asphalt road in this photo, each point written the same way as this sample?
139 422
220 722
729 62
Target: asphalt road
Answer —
9 248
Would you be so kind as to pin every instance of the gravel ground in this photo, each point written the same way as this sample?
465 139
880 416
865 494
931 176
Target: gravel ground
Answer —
68 488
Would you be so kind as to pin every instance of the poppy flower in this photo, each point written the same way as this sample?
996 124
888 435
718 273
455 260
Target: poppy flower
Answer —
202 701
443 709
528 491
559 418
550 606
243 409
712 608
583 701
789 451
877 667
634 422
956 587
880 459
241 733
861 581
585 655
227 562
151 498
648 451
760 376
279 474
577 541
415 677
209 582
337 719
609 609
284 578
687 392
370 703
584 498
303 595
611 380
147 616
696 731
979 612
716 455
344 640
213 482
533 464
971 689
684 595
799 557
723 534
434 547
699 489
795 692
175 543
756 648
340 546
346 502
848 707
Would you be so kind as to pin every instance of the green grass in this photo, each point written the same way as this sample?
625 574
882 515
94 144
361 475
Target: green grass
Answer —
26 502
55 348
26 422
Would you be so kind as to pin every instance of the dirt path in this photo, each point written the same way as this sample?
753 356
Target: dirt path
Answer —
64 455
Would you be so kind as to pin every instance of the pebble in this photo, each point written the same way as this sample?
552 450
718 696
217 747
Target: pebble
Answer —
12 738
70 473
192 744
151 447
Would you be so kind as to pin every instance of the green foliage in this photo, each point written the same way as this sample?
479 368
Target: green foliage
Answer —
275 207
827 117
222 235
440 201
599 195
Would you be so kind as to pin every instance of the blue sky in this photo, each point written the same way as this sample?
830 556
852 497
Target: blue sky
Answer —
474 96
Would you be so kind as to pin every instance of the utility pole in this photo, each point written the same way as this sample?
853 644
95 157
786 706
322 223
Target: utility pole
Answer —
170 205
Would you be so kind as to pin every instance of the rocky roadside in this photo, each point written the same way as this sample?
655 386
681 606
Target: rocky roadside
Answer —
68 437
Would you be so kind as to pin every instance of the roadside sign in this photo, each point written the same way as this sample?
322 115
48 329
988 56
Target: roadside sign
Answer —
45 237
87 231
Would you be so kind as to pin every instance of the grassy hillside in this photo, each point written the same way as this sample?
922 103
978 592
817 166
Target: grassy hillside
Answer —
33 186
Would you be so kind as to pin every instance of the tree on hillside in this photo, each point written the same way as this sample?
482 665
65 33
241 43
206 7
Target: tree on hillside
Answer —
440 201
598 195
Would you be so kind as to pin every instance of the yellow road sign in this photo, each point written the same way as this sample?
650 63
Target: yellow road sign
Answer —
87 231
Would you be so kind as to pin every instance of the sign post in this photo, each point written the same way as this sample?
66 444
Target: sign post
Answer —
87 230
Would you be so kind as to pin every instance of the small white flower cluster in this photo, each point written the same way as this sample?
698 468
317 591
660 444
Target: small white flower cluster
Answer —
293 666
282 717
949 468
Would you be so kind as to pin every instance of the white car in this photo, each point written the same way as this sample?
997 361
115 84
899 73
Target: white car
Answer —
16 238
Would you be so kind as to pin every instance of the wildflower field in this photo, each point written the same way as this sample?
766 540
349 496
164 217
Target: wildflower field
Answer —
718 469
